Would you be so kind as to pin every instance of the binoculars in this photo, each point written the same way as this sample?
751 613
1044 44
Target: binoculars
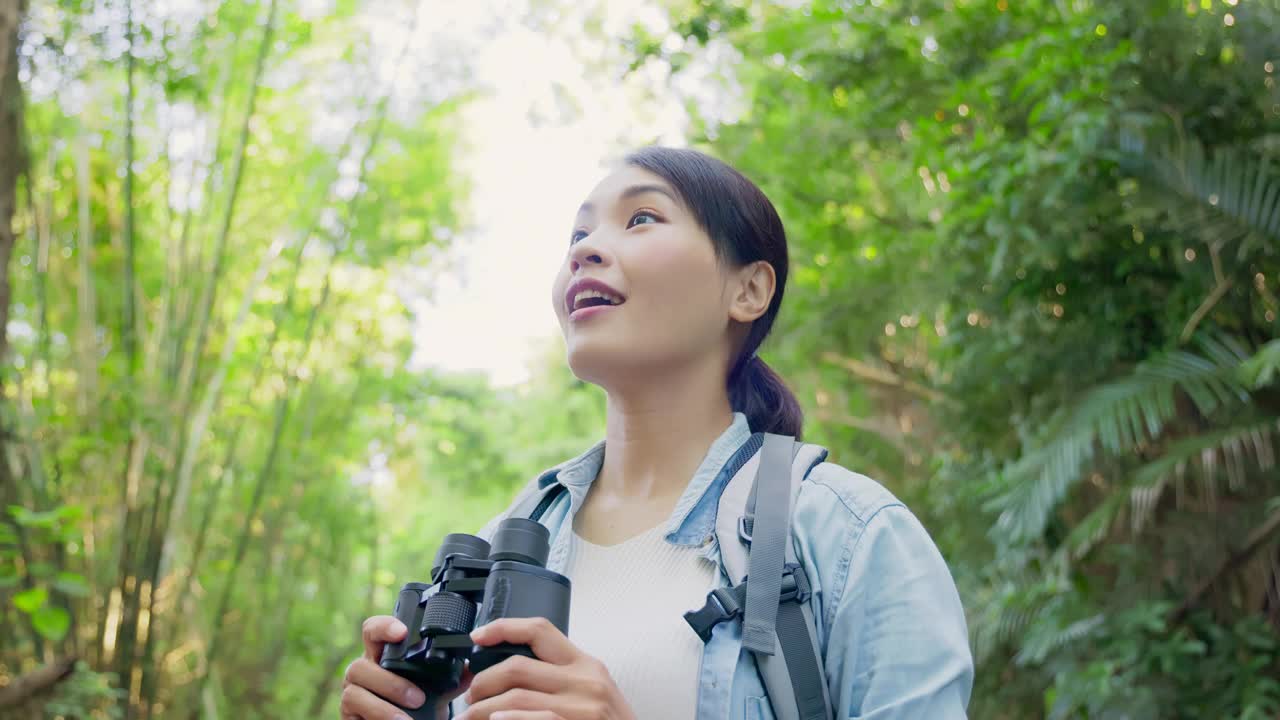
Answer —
473 582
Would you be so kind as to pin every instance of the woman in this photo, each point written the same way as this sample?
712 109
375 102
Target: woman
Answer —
674 275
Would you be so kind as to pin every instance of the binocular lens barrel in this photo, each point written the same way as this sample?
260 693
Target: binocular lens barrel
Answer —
459 544
521 540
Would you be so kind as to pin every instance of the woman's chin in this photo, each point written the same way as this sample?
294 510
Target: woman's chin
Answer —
599 365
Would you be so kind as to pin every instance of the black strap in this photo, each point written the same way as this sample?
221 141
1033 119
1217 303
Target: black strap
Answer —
807 681
548 497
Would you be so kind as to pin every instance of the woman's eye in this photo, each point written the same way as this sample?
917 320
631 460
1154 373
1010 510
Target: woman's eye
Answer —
577 235
642 214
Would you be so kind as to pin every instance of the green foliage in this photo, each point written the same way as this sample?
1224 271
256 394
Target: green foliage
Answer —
86 694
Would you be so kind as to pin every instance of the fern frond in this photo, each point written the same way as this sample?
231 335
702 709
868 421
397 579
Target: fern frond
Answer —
1042 640
1234 449
1116 417
1262 368
1231 195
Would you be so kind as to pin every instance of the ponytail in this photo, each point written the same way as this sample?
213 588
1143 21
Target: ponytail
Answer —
758 392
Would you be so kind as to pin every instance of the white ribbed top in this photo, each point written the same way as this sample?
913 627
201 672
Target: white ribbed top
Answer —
628 611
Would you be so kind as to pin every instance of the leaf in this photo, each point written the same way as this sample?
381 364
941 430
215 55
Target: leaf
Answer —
1260 370
1116 418
1224 195
28 601
31 519
71 584
51 622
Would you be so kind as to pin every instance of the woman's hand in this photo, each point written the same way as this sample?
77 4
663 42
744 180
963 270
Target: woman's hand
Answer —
366 683
564 683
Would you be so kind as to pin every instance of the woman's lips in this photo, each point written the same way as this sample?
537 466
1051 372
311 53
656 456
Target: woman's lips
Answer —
591 311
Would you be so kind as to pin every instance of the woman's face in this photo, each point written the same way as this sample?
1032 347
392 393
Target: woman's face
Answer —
669 304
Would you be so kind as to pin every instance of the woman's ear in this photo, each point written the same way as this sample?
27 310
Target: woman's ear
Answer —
752 291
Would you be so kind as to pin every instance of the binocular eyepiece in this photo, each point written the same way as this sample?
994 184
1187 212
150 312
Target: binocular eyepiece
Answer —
474 582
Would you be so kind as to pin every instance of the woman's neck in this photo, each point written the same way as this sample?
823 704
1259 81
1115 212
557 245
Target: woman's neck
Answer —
658 433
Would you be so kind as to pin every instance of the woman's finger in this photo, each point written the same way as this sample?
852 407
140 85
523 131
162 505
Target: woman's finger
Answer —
545 639
517 672
378 631
522 700
360 703
366 674
525 715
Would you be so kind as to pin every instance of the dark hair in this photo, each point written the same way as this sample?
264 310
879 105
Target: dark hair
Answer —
745 227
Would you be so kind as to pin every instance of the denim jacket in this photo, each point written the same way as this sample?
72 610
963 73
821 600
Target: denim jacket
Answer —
892 630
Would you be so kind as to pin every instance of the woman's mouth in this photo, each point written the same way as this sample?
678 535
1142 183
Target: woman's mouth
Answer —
589 311
588 297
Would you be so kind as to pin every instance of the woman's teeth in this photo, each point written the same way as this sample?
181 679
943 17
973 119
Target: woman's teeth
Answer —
588 294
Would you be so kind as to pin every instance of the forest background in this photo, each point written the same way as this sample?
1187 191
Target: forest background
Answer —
1034 292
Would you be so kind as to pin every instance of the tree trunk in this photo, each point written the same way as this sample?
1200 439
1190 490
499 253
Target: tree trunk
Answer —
24 687
13 165
13 161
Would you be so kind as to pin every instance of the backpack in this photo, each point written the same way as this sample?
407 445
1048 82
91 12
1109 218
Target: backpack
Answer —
770 590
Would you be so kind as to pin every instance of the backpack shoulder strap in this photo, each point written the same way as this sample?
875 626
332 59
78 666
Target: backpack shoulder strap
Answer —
753 525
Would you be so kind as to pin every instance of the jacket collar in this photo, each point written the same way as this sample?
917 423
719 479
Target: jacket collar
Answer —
693 519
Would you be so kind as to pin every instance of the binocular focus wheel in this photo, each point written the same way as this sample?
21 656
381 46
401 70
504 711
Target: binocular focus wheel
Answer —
449 612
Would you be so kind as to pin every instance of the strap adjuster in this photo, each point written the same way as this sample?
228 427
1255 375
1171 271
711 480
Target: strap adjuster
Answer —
795 584
745 524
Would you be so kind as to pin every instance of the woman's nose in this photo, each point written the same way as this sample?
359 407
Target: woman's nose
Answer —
585 253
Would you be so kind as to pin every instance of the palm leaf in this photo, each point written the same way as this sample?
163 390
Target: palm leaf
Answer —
1233 449
1117 417
1044 639
1262 368
1230 195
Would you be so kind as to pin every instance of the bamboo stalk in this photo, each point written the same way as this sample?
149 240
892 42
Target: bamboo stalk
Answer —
190 372
129 591
191 271
129 329
329 671
191 368
265 474
210 398
87 384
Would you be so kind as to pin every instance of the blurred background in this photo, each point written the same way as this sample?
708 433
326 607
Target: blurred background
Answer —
277 317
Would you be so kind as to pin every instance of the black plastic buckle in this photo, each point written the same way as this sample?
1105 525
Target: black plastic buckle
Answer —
795 583
721 605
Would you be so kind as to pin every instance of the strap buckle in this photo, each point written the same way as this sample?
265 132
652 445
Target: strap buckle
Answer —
727 603
745 524
722 604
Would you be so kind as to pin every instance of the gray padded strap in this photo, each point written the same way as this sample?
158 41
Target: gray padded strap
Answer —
794 678
770 538
749 514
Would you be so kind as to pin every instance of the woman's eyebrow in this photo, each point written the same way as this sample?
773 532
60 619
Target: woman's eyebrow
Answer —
631 192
